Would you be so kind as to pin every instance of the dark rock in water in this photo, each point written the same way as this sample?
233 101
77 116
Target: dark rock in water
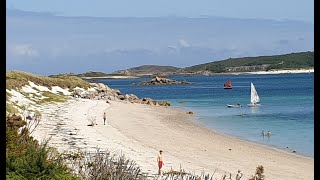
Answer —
160 81
294 151
190 112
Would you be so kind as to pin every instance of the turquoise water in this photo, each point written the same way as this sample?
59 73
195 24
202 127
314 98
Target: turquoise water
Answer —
287 106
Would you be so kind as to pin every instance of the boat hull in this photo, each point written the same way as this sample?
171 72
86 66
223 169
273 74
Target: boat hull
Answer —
233 106
253 105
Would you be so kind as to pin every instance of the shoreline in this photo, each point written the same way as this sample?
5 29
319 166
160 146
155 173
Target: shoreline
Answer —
139 131
280 71
272 147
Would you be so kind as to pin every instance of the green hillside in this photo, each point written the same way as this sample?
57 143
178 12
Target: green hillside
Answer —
286 61
148 69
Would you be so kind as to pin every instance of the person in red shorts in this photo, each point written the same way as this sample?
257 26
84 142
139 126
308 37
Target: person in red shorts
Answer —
160 162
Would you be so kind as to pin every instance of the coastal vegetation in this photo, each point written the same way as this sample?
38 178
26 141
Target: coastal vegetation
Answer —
148 69
286 61
301 60
27 159
88 74
51 97
17 79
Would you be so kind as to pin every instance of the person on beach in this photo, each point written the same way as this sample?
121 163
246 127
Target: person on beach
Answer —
262 133
268 133
104 118
160 162
239 175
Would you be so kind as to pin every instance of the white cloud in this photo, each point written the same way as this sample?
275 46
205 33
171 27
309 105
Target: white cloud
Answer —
184 43
24 50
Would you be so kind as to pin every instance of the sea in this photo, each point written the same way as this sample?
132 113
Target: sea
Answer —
286 110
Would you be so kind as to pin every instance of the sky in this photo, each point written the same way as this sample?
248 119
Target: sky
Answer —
302 10
51 37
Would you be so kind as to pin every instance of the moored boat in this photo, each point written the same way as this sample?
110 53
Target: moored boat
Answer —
234 105
228 84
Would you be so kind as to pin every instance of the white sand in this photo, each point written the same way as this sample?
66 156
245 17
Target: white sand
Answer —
139 131
19 98
57 89
41 88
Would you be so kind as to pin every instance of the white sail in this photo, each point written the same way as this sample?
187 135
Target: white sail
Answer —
254 95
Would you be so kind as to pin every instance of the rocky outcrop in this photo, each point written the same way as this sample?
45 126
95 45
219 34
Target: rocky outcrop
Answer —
160 81
102 91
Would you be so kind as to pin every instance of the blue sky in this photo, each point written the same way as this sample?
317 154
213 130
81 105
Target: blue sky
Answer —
271 9
181 33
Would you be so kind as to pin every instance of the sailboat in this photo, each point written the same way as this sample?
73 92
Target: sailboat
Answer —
228 85
255 100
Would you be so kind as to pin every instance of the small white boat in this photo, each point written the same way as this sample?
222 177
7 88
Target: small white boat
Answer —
234 105
255 100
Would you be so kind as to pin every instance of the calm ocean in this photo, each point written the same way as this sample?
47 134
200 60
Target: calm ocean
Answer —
287 106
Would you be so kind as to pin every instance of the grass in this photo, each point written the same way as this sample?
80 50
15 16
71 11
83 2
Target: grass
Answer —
17 79
8 96
36 89
51 97
11 109
35 95
102 165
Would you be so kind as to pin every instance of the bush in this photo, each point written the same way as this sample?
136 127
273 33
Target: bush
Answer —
26 159
101 165
259 174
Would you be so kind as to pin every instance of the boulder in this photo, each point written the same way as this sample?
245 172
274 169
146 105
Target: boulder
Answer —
158 79
102 87
121 97
116 91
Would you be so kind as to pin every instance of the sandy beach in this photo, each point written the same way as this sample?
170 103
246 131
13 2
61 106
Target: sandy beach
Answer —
139 131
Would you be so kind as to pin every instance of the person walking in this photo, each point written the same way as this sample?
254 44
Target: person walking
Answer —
104 118
160 162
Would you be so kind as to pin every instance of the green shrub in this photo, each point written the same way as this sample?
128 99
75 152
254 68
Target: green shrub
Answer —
26 159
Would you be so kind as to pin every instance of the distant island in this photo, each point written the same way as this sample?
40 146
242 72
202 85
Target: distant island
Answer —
296 62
